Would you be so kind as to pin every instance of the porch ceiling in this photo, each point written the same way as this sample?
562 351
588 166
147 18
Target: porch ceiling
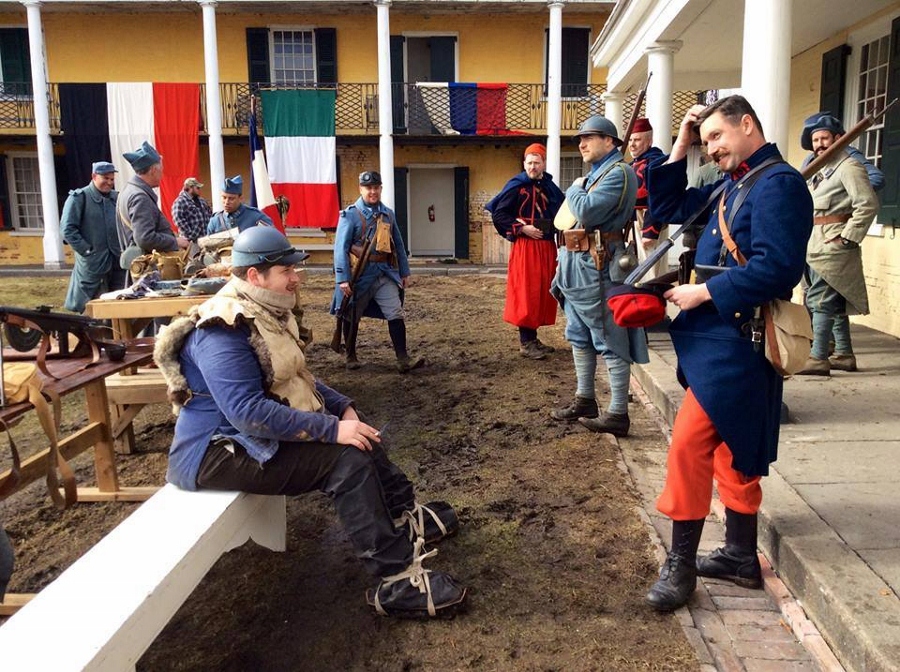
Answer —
711 32
319 6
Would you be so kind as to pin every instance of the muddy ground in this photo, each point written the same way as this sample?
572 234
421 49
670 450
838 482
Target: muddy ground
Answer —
552 548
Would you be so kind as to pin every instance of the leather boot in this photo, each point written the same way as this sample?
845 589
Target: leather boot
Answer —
678 577
433 522
737 560
397 331
582 407
616 424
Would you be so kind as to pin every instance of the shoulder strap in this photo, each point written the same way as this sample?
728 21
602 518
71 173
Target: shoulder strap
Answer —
744 186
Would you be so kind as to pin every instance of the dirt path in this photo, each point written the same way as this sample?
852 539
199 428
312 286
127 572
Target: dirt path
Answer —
552 548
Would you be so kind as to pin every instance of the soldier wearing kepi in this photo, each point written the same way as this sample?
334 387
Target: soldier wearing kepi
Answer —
234 212
602 204
727 426
647 231
88 225
523 213
251 417
845 205
379 289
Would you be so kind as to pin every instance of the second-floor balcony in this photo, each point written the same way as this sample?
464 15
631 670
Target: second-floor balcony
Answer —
418 109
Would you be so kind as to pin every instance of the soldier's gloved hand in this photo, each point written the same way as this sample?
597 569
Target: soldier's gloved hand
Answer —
848 244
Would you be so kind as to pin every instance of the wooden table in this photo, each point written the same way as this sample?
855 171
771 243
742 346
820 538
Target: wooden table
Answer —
131 389
96 433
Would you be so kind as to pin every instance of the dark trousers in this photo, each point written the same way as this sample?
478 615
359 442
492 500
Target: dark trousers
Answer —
369 491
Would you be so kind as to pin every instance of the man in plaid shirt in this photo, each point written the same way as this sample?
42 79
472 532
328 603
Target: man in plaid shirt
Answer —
190 212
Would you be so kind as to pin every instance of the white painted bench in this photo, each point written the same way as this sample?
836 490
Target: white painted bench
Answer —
106 609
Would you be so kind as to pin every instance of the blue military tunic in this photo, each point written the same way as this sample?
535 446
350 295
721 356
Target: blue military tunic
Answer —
731 379
351 224
88 224
243 218
605 207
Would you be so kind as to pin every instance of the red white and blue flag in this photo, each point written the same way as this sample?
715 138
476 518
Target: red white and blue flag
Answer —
261 195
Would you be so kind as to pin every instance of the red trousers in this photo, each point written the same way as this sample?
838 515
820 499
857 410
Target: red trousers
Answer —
696 456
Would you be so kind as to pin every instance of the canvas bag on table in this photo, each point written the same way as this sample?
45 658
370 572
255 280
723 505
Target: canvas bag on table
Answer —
788 328
22 383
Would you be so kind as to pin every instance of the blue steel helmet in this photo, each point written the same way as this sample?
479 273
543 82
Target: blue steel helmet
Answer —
598 125
820 121
264 244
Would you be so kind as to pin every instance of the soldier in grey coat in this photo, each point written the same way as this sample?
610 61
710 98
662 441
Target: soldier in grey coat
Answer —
88 225
143 227
845 205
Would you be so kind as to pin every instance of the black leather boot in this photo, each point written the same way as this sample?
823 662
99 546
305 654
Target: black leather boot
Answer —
678 577
737 560
582 407
397 331
616 424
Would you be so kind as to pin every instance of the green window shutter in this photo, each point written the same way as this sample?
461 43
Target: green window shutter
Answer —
398 75
258 56
5 219
400 209
443 59
574 67
326 55
461 212
890 152
834 80
15 62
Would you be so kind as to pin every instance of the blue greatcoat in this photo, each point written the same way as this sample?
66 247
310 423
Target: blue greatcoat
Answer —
350 232
733 382
243 218
606 208
88 224
229 399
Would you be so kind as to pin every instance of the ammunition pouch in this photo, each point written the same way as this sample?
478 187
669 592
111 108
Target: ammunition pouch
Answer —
704 273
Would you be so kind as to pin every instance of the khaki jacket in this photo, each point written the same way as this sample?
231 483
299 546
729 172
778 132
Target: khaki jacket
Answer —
842 188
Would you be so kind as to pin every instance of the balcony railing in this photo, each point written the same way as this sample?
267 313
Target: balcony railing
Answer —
419 109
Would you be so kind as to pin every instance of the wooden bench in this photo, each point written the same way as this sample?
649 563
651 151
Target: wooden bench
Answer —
106 609
128 394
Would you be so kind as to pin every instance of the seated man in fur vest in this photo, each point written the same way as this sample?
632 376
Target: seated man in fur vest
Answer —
251 417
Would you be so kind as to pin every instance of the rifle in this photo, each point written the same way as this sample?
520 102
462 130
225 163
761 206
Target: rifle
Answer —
635 113
345 302
810 170
26 329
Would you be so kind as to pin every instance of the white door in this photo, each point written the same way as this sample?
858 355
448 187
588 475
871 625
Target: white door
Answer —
431 212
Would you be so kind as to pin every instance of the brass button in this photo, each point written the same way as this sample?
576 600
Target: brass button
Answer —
737 315
715 231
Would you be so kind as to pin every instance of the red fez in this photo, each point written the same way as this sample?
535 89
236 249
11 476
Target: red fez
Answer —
641 125
536 148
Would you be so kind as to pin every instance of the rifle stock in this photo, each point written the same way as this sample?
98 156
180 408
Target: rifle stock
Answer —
354 277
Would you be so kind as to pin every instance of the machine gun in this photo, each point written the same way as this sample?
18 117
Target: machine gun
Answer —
27 329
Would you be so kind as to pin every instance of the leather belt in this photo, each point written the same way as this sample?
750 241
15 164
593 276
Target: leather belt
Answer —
831 219
379 257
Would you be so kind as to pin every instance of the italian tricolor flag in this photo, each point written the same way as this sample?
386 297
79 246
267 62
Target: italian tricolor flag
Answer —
300 149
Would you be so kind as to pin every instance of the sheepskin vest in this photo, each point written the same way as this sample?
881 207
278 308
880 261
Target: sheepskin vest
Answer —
277 342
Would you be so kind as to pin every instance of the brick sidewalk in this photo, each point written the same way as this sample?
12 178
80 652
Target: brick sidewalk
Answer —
732 629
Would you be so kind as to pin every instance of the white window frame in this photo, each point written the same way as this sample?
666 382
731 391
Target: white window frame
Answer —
856 40
17 226
292 29
565 178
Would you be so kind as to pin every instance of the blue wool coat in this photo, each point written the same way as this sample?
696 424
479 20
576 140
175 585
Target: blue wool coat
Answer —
349 233
243 218
606 207
518 198
733 382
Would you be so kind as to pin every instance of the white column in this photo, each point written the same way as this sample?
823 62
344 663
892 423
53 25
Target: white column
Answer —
660 62
554 87
766 66
612 109
385 103
53 251
213 102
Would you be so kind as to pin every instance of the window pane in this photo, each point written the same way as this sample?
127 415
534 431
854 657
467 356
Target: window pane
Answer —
872 92
298 65
27 193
